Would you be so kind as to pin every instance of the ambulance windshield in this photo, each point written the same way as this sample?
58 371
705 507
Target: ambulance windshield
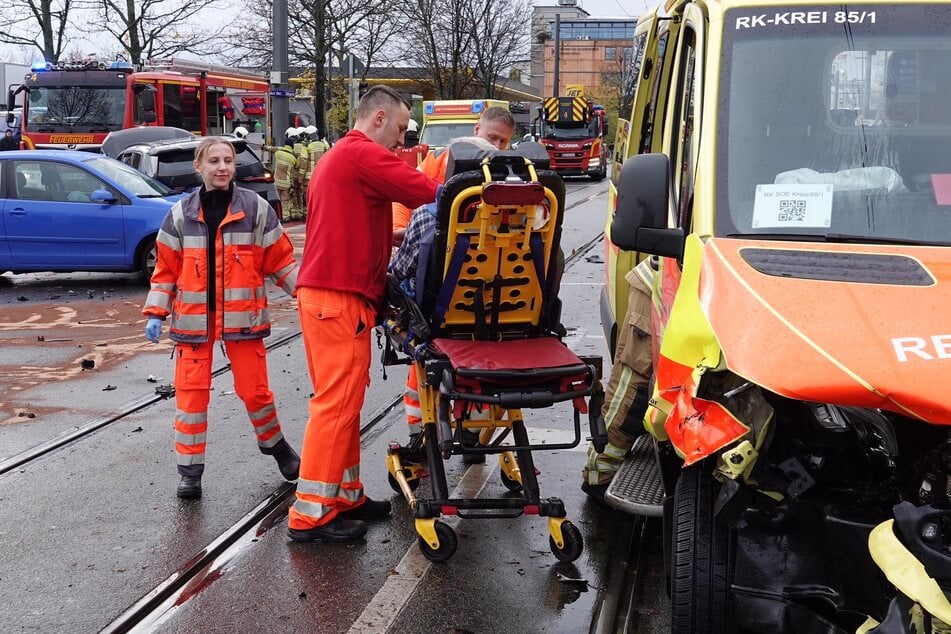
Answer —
835 121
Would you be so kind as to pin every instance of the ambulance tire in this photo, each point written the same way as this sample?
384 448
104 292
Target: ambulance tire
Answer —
700 600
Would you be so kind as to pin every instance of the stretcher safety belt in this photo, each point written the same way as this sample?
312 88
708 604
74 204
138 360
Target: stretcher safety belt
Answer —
451 279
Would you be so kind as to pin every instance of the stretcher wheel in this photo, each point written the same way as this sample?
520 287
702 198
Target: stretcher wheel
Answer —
411 481
511 484
447 544
573 543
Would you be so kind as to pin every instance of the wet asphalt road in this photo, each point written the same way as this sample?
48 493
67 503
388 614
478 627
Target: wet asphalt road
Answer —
93 526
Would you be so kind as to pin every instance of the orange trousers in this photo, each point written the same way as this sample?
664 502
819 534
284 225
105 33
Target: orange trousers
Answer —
336 328
193 365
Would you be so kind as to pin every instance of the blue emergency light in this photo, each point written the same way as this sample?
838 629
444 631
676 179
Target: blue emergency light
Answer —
477 107
39 67
429 108
122 66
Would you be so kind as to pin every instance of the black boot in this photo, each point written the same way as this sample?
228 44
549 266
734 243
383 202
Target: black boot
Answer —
189 488
287 460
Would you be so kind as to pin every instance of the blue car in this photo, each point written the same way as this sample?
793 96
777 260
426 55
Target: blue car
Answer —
76 211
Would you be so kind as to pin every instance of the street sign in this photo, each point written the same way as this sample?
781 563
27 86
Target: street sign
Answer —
281 92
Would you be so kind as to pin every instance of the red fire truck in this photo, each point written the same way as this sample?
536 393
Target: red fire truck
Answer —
573 129
76 104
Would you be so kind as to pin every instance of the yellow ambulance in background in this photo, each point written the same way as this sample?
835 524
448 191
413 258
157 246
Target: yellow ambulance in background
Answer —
446 120
786 166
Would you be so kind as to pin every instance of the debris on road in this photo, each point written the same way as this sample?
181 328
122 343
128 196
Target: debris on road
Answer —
108 388
88 364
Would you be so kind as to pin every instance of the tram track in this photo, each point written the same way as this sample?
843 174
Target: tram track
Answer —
209 562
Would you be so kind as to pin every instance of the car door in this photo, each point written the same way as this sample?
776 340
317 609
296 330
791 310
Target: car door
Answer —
4 194
51 220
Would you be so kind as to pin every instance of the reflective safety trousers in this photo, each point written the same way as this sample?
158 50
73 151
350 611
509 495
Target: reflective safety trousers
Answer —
251 245
285 163
336 328
193 365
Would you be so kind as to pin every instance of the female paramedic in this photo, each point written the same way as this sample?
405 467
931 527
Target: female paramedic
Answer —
225 300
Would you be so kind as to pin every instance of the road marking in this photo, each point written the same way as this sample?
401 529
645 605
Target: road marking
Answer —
381 612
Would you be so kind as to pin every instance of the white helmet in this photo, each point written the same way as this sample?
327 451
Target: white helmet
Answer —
299 131
311 129
412 126
290 132
241 132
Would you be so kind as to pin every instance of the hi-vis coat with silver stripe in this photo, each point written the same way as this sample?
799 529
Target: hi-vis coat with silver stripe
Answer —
251 244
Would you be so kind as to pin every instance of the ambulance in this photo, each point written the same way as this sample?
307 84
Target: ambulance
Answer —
785 168
446 120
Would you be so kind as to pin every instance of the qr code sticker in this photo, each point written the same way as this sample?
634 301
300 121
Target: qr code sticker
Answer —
792 210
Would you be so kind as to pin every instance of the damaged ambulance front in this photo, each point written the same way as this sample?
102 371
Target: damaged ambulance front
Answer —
800 408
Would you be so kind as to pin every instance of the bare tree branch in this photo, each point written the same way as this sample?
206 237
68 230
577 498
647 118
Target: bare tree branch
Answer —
36 23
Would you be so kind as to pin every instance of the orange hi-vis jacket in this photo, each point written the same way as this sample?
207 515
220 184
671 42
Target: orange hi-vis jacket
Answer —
433 166
251 244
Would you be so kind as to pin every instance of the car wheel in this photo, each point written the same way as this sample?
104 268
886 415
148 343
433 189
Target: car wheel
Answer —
147 258
700 600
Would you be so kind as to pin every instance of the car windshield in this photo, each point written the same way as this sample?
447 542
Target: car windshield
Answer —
76 108
132 180
835 123
438 134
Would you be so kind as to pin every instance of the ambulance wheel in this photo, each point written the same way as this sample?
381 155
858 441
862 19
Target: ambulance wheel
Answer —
412 482
447 544
511 484
700 579
573 543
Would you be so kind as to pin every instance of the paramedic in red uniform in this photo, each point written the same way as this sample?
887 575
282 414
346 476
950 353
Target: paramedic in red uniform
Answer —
339 291
214 289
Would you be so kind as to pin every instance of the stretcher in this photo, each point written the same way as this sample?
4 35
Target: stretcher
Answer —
483 334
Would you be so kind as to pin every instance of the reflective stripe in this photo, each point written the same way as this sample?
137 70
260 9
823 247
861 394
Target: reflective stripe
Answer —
352 474
261 430
194 297
158 286
315 487
272 236
414 427
159 299
190 322
239 293
246 319
191 418
351 495
190 439
172 242
411 394
311 509
270 442
615 452
186 459
261 413
413 411
237 237
289 283
195 242
617 399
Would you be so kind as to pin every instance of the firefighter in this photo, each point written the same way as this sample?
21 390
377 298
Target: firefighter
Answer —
316 147
285 164
209 300
301 153
626 397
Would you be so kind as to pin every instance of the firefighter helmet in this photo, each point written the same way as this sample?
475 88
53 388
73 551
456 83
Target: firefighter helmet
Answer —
311 130
241 132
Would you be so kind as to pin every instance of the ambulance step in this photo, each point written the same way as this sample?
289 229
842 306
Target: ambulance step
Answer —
636 487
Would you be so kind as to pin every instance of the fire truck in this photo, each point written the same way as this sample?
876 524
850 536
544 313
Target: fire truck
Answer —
573 129
75 104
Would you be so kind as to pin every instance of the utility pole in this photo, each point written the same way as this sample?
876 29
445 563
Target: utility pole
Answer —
279 105
557 50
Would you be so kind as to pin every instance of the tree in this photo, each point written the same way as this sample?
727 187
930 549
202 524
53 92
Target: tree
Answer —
37 23
501 33
149 29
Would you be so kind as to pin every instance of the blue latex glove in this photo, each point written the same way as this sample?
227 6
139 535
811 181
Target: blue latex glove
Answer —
153 329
